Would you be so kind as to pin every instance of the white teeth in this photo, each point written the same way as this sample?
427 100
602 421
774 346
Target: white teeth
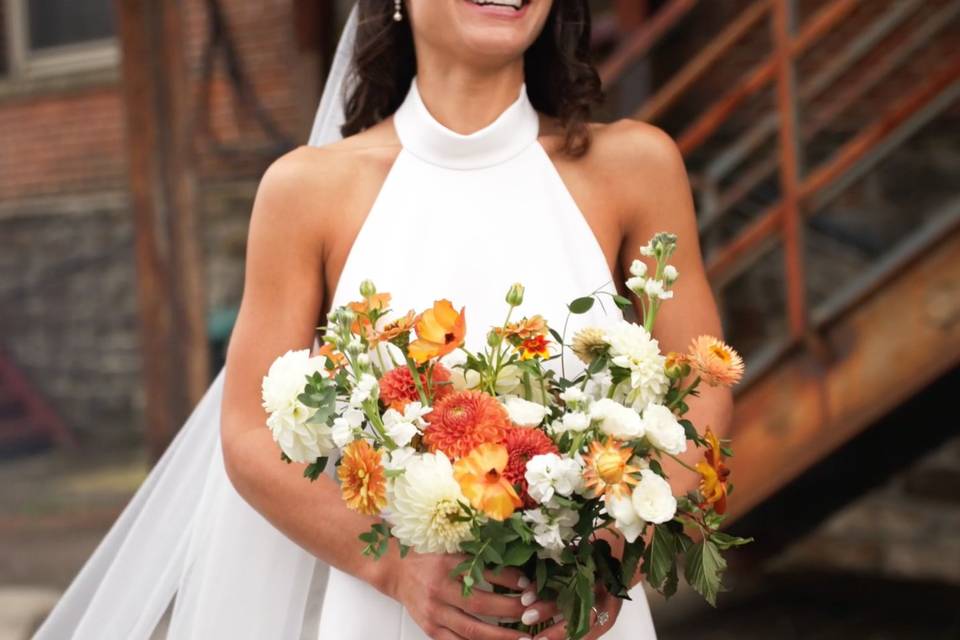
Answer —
516 4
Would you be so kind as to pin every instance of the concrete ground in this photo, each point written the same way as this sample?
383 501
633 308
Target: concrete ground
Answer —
55 507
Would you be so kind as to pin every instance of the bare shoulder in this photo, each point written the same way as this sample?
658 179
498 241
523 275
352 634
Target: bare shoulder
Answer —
644 170
308 187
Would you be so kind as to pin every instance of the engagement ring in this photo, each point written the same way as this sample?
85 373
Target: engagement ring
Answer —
602 616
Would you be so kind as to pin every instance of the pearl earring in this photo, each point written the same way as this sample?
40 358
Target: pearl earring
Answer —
397 16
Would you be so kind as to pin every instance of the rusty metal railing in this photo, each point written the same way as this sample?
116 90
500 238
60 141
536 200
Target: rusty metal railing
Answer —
802 190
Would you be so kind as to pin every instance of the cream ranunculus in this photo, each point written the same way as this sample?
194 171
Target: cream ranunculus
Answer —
288 420
617 420
625 516
653 499
522 412
663 430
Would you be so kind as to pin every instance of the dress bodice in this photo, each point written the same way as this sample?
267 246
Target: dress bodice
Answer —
464 216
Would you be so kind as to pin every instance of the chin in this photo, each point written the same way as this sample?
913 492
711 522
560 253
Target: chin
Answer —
498 29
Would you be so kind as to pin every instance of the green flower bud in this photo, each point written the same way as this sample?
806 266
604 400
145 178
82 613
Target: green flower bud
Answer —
515 295
368 289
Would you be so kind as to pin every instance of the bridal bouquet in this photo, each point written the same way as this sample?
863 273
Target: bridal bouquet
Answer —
496 455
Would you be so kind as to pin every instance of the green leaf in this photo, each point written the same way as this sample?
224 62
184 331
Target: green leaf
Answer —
517 554
704 570
660 558
632 552
581 305
314 469
285 457
726 541
622 302
656 468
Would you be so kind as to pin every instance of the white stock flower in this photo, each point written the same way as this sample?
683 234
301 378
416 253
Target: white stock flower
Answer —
548 474
401 427
424 504
653 499
655 289
397 459
631 347
663 430
575 421
617 420
345 426
670 273
638 268
523 412
598 385
625 516
280 390
367 387
637 284
552 529
573 395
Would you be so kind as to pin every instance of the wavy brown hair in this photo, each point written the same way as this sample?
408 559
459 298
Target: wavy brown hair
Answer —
561 81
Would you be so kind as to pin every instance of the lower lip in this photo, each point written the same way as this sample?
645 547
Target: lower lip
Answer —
494 11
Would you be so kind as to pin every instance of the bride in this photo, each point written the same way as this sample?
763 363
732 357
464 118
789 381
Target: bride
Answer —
467 162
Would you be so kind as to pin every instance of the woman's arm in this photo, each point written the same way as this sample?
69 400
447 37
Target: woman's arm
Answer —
282 300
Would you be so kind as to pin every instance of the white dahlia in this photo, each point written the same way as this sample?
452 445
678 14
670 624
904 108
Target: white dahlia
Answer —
280 391
424 504
522 412
631 347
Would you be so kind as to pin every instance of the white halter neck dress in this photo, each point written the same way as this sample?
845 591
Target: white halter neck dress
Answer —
463 217
458 216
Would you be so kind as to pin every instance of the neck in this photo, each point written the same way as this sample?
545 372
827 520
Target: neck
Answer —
466 100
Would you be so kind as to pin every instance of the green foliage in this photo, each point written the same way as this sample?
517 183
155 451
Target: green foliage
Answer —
377 540
315 468
704 569
320 393
581 305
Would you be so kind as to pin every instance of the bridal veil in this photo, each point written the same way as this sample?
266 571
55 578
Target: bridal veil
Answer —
187 539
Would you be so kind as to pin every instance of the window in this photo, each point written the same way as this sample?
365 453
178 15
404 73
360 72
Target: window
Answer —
46 37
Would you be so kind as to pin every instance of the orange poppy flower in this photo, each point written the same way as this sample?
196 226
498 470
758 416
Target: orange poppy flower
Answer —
713 475
440 330
480 475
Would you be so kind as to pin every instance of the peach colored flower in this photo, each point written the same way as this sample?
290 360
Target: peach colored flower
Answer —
363 481
362 309
464 420
607 468
713 475
715 361
481 478
392 330
335 357
440 330
524 329
397 387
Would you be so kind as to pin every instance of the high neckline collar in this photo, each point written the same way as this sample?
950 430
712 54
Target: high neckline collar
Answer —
422 135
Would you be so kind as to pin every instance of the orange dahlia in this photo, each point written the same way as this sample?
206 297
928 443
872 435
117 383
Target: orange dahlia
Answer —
440 330
715 361
522 444
464 420
363 481
397 387
482 480
607 468
713 474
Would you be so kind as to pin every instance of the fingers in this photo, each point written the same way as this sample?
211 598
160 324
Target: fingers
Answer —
508 577
486 603
467 626
444 634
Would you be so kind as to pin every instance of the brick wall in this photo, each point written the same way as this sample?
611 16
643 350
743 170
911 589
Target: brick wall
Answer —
67 282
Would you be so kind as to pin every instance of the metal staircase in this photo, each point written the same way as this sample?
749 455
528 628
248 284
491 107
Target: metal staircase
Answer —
844 309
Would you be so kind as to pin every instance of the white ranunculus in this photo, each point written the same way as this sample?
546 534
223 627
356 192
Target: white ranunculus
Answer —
523 412
632 347
617 420
625 516
424 505
548 474
576 421
345 426
288 417
653 499
509 380
663 430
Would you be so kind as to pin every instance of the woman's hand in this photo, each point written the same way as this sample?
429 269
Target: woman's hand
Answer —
608 606
423 584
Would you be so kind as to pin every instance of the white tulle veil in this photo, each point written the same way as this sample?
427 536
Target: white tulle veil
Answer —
188 540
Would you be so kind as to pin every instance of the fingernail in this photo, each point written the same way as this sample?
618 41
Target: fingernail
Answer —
523 583
526 638
527 598
530 616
